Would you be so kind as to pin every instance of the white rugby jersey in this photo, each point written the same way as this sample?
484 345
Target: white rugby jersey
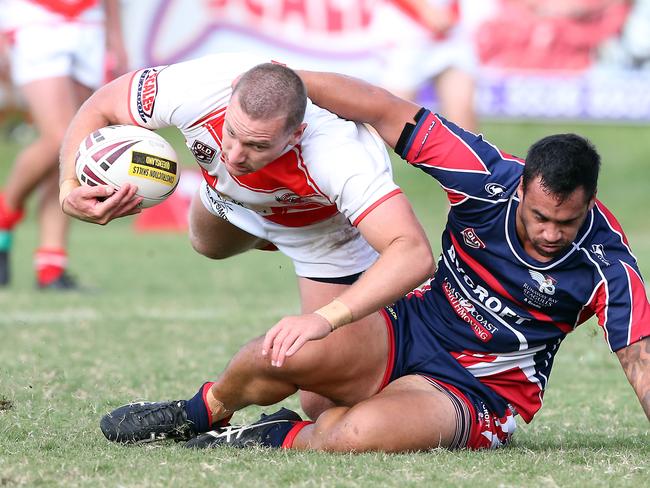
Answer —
338 166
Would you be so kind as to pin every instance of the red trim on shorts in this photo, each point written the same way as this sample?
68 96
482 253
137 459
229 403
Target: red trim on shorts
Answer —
461 396
480 426
291 436
390 361
375 205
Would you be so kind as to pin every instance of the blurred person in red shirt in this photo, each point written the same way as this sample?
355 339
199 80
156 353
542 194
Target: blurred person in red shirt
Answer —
556 34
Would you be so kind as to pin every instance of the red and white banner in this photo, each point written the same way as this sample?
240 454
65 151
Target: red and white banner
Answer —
331 35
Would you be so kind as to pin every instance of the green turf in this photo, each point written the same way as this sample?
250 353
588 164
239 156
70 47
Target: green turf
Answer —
162 319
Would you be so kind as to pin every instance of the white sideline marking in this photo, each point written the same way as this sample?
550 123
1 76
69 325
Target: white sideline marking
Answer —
65 315
77 314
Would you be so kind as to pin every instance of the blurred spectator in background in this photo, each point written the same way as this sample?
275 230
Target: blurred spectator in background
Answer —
632 49
60 50
426 41
554 34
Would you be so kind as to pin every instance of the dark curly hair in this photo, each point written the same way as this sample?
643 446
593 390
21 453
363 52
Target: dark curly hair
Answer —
564 162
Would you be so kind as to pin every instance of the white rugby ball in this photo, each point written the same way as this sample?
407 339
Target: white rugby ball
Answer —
120 154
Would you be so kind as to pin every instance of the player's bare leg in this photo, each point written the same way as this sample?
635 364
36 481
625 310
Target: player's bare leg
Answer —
346 374
335 368
456 90
408 415
215 237
314 295
52 103
53 223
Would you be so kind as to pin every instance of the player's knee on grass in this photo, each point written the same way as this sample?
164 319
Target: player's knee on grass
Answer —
342 429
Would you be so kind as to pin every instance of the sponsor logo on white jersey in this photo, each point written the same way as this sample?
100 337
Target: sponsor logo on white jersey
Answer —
146 93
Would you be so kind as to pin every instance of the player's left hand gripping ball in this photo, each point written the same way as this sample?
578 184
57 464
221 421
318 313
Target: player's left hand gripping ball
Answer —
120 154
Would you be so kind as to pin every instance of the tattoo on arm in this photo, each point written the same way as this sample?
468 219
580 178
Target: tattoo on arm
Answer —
635 360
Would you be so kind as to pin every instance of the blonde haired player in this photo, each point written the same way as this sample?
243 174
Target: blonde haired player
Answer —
277 170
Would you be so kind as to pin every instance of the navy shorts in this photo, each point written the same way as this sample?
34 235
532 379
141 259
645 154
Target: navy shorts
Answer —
413 349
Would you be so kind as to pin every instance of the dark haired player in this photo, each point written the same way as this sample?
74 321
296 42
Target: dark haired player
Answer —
528 254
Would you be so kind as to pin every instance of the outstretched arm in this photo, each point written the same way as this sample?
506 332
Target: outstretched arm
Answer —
357 100
97 204
635 360
405 262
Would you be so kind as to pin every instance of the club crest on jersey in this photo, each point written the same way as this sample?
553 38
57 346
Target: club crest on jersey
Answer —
494 189
599 251
546 283
471 239
203 153
146 93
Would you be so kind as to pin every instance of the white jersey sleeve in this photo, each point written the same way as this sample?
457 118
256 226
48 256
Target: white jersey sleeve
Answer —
348 162
180 94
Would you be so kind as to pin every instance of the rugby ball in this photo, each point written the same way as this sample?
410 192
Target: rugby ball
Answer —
120 154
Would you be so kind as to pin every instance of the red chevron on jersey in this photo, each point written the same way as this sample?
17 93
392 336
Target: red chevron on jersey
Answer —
211 180
219 114
443 149
468 358
597 301
611 220
639 321
510 157
519 389
510 376
214 123
288 171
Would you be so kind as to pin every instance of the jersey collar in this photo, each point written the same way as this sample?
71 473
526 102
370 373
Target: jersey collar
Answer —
522 256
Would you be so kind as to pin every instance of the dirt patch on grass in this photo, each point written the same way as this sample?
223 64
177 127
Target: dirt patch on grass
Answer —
6 404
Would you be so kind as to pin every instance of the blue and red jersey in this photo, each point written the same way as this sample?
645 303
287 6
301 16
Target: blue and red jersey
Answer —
498 312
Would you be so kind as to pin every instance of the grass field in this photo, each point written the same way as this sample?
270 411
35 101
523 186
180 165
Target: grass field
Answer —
162 319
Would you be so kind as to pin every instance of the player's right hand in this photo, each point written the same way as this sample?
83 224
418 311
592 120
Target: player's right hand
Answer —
101 204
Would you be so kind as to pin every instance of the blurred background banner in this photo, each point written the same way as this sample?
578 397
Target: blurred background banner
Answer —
468 59
575 59
315 34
